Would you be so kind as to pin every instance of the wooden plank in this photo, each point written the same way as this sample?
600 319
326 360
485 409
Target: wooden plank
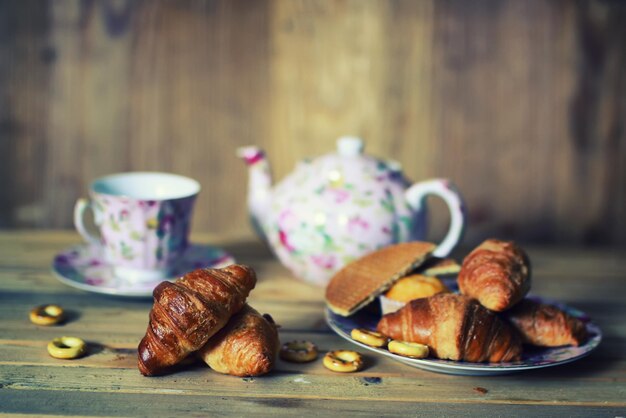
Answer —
25 60
481 75
309 384
35 248
22 348
519 104
126 323
198 91
86 116
602 304
93 315
273 287
123 404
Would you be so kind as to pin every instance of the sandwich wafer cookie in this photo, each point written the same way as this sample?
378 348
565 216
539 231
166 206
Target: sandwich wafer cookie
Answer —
362 280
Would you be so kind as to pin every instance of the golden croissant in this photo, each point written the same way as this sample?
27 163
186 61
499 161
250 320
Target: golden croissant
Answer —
454 327
546 325
246 346
188 312
497 273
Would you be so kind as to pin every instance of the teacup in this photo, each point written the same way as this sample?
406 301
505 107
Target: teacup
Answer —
143 219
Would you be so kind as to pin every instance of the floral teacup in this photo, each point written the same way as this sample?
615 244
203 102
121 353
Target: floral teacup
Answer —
143 219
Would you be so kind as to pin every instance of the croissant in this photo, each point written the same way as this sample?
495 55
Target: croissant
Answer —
188 312
454 327
497 273
246 346
546 325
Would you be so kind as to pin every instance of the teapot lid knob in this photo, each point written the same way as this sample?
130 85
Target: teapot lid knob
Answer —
350 146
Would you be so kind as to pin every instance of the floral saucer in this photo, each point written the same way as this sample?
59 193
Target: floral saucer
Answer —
84 267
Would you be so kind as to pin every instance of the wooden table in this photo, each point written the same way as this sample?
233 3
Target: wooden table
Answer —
106 381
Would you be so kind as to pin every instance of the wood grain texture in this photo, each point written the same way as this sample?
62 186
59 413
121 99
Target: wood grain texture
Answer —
25 59
521 104
106 381
124 404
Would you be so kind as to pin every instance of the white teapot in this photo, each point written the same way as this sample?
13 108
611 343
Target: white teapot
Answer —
341 206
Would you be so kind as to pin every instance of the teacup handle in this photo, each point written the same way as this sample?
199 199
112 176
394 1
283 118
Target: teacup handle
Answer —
81 206
416 197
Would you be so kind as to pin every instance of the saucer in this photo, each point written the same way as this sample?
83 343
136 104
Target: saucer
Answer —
83 266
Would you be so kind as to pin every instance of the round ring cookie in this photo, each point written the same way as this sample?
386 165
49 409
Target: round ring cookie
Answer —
343 361
371 338
299 351
408 349
67 347
46 315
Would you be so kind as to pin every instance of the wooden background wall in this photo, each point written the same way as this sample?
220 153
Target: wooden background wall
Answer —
521 103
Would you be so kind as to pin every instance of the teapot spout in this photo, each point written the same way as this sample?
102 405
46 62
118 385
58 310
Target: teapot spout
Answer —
259 185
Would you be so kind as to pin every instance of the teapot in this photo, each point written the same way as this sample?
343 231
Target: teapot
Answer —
340 206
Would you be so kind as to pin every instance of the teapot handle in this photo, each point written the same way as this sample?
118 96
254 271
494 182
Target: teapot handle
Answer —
416 198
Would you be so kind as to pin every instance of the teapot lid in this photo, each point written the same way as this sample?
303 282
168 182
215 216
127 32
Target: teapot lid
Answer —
349 165
350 146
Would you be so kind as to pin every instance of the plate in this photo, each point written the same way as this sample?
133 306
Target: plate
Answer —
532 357
83 266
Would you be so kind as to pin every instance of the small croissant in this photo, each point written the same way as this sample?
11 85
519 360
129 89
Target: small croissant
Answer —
496 273
188 312
246 346
546 325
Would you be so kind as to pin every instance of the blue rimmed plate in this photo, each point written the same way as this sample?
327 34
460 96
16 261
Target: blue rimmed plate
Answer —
532 357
